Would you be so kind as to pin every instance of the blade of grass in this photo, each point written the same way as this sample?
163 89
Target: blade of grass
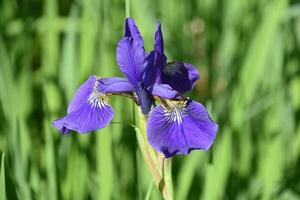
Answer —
2 179
150 187
75 184
88 35
254 66
50 43
68 66
217 173
50 163
193 163
105 163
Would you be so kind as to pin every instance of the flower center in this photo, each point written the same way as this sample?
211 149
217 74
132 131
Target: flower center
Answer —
174 111
97 99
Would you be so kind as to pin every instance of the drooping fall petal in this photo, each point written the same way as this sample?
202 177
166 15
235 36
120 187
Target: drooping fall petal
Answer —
88 110
180 128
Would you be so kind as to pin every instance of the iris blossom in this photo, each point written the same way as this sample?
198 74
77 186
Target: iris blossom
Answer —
176 124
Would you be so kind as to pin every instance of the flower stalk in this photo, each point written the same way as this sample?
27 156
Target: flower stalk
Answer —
162 175
159 166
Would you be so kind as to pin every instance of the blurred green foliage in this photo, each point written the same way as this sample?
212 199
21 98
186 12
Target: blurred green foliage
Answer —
248 55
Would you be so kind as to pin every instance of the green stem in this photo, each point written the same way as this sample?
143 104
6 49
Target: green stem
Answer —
167 169
162 175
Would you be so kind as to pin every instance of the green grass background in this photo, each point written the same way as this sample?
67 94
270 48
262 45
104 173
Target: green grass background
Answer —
248 55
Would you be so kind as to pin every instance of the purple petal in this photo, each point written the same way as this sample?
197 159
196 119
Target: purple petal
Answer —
115 84
181 129
145 99
82 94
88 109
131 30
180 76
164 91
131 59
155 60
86 119
159 41
151 72
154 67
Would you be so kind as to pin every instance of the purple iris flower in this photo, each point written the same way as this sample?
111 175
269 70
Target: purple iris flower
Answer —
176 126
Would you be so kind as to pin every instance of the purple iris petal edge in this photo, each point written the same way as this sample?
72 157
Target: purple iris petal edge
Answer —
85 119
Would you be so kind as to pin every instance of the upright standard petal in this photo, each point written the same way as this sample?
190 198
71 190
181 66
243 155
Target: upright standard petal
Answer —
155 60
87 111
131 30
159 41
131 59
160 59
179 127
150 73
180 76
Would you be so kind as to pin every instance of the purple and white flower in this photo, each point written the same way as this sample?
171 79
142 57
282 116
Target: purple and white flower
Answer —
176 126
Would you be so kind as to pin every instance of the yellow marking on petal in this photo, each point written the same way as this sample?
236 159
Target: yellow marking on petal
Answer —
97 98
174 111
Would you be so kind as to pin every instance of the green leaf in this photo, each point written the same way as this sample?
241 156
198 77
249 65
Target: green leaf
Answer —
217 173
2 179
191 164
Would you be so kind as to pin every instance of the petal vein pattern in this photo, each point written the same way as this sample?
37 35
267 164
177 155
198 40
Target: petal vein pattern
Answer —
88 110
179 127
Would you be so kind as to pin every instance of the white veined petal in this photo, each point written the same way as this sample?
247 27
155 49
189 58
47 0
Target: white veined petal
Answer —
97 99
175 114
